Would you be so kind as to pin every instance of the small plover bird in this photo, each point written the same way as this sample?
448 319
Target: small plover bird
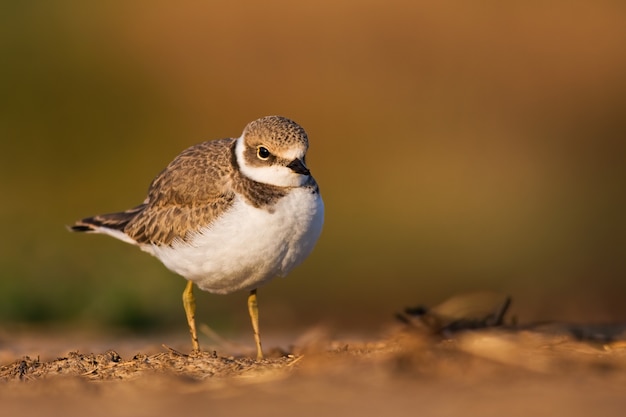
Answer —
228 214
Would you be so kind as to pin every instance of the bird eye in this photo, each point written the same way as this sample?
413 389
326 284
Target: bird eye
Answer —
262 152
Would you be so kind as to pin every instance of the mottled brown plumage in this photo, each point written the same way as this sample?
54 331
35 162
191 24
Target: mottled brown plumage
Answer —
188 194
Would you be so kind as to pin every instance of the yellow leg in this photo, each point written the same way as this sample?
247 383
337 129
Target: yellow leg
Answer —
253 309
189 302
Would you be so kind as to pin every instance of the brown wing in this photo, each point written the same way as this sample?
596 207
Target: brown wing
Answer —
188 194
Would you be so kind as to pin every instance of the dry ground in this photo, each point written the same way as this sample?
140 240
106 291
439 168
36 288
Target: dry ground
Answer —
545 370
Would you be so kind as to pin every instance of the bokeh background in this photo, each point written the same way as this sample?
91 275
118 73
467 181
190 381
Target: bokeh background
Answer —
459 146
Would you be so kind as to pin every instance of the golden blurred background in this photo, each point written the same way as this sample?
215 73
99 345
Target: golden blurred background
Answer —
459 146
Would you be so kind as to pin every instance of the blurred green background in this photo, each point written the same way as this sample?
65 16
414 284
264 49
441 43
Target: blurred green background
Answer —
459 146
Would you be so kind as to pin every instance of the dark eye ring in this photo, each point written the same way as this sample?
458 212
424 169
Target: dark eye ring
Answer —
262 152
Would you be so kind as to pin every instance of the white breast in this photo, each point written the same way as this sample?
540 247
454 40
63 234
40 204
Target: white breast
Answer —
247 246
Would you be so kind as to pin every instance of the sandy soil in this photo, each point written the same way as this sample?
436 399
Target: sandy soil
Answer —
544 370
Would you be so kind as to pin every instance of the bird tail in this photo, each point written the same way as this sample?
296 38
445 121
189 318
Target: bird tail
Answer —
112 224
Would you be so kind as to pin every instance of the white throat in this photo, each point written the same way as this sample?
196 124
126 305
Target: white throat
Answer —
274 175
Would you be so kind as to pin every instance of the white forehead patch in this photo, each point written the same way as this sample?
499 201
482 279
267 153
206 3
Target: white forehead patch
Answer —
294 152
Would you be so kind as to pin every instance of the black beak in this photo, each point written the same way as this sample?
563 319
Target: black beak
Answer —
297 166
